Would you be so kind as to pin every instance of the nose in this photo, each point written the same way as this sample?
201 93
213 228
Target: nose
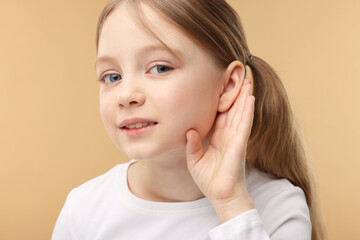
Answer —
130 97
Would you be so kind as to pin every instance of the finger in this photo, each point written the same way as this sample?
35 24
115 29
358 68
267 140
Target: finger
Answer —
194 151
232 110
246 122
220 120
238 144
245 93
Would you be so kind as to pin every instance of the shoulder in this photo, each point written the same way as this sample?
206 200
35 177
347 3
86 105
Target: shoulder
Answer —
96 188
278 201
264 186
87 205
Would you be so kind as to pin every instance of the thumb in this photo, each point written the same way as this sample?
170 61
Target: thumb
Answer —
194 151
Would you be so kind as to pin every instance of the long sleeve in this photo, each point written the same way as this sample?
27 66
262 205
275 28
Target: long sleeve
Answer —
283 216
246 226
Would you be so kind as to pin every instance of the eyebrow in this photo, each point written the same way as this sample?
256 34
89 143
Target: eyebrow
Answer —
143 51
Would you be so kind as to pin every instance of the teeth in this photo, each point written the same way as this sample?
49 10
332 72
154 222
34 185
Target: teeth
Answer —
139 125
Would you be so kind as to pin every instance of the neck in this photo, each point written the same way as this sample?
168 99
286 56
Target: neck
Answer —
166 178
163 180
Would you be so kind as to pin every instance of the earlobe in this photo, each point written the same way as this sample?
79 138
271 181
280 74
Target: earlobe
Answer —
232 81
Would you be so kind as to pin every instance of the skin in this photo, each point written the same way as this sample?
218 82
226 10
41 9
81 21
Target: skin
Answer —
204 114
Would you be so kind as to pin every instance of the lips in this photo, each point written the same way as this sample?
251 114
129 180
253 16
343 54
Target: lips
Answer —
138 125
132 123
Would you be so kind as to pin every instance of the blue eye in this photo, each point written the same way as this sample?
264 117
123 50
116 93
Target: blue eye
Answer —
160 69
110 78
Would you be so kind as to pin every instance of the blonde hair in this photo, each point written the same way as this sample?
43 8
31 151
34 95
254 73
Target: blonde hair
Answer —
275 145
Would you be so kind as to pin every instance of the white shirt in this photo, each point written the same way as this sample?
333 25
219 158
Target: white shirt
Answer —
104 208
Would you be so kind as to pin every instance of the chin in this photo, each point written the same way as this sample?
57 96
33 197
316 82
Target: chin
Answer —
157 154
142 154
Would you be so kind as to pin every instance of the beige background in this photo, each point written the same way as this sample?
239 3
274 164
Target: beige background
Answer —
52 138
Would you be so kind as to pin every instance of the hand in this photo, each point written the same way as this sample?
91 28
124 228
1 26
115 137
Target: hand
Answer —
220 171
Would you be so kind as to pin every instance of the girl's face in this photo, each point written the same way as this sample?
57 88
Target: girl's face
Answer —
145 80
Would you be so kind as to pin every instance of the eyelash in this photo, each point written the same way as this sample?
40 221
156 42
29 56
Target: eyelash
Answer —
102 78
162 65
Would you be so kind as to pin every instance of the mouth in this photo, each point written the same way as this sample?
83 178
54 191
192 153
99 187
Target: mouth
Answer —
139 125
133 127
138 129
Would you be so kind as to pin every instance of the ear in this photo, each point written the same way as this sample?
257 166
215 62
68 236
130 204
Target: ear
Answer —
232 82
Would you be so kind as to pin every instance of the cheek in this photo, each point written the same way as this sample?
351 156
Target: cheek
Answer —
106 111
202 111
191 108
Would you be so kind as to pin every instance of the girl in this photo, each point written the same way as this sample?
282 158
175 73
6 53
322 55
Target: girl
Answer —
177 94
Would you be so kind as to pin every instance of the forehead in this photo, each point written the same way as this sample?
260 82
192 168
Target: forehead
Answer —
123 26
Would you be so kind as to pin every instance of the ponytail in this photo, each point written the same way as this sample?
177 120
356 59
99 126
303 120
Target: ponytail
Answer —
275 145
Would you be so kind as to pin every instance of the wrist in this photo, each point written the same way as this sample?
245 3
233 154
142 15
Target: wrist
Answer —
227 209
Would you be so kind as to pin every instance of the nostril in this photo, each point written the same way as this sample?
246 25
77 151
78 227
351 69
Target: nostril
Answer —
130 99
